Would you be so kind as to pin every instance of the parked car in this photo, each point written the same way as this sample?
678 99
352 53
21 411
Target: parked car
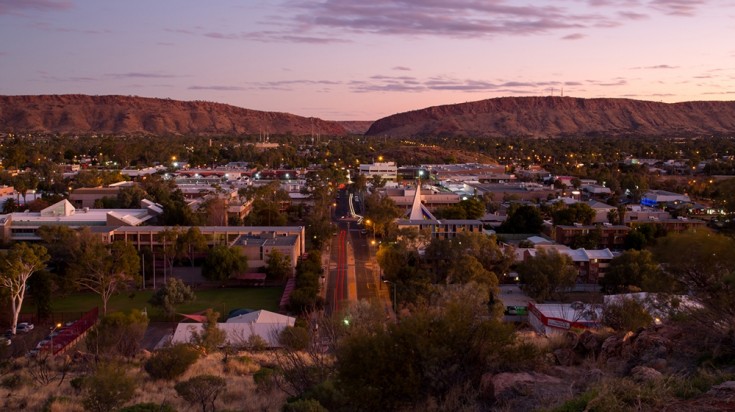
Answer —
24 327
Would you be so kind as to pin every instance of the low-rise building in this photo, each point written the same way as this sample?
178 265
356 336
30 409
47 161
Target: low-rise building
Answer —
386 170
610 236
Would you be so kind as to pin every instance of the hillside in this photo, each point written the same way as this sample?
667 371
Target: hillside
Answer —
133 115
561 116
356 126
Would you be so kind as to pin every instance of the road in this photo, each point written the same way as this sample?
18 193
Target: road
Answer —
353 273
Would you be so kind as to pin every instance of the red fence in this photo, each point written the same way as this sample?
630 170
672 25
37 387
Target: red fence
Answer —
70 333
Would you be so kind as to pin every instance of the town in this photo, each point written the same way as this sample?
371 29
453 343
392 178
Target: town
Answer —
316 268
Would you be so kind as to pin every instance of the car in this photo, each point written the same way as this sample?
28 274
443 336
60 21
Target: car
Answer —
24 327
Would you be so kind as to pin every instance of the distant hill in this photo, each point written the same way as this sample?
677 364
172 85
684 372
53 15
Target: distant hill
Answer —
131 115
561 116
356 126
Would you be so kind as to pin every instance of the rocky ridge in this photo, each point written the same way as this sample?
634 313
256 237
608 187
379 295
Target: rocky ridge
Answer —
82 114
542 117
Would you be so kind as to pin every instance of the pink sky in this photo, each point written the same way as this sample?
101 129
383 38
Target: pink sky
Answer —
362 60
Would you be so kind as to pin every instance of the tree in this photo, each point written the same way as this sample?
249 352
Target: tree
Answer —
632 271
106 269
701 263
435 348
202 390
118 333
108 389
522 219
222 262
278 265
42 285
574 213
547 274
174 292
211 337
130 197
191 243
20 263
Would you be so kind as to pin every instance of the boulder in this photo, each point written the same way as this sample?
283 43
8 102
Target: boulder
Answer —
487 388
645 374
565 357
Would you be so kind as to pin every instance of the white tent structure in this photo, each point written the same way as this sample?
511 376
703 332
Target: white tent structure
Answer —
268 325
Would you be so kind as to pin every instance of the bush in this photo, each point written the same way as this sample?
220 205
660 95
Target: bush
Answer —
78 383
256 343
304 405
202 390
629 315
264 378
108 389
11 382
170 363
148 407
294 338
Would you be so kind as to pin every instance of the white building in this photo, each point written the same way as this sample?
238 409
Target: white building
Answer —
386 170
268 325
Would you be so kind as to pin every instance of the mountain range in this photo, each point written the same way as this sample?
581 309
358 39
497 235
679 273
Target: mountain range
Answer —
498 117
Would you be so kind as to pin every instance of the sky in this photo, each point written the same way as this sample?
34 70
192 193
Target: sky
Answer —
363 60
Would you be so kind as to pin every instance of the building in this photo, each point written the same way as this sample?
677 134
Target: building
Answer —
654 198
386 170
24 226
558 318
679 224
267 325
610 236
149 236
515 191
257 248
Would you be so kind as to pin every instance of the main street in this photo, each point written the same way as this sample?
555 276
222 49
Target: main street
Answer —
352 273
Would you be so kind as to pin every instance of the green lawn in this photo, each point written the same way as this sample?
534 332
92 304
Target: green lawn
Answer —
221 300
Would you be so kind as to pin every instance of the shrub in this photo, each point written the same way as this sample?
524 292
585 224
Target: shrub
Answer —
256 343
108 389
170 363
11 382
264 378
304 405
78 383
294 338
149 407
202 390
629 315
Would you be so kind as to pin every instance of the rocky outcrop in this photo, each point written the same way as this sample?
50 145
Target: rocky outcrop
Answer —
82 114
561 116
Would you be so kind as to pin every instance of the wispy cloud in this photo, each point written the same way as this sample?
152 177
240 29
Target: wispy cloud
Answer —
631 15
658 66
19 7
684 8
401 68
49 27
574 36
142 75
286 36
218 88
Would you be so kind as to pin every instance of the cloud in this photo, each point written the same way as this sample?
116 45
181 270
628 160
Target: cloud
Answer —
401 68
19 7
218 88
51 28
658 66
141 75
263 36
630 15
574 36
684 8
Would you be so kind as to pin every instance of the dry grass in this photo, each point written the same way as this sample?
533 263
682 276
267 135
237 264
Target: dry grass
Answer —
241 393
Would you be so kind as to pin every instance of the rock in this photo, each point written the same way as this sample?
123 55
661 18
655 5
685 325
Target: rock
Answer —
487 388
565 357
588 341
645 374
611 347
724 390
511 385
659 364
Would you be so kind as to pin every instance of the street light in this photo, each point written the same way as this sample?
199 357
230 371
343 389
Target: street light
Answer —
394 293
53 329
